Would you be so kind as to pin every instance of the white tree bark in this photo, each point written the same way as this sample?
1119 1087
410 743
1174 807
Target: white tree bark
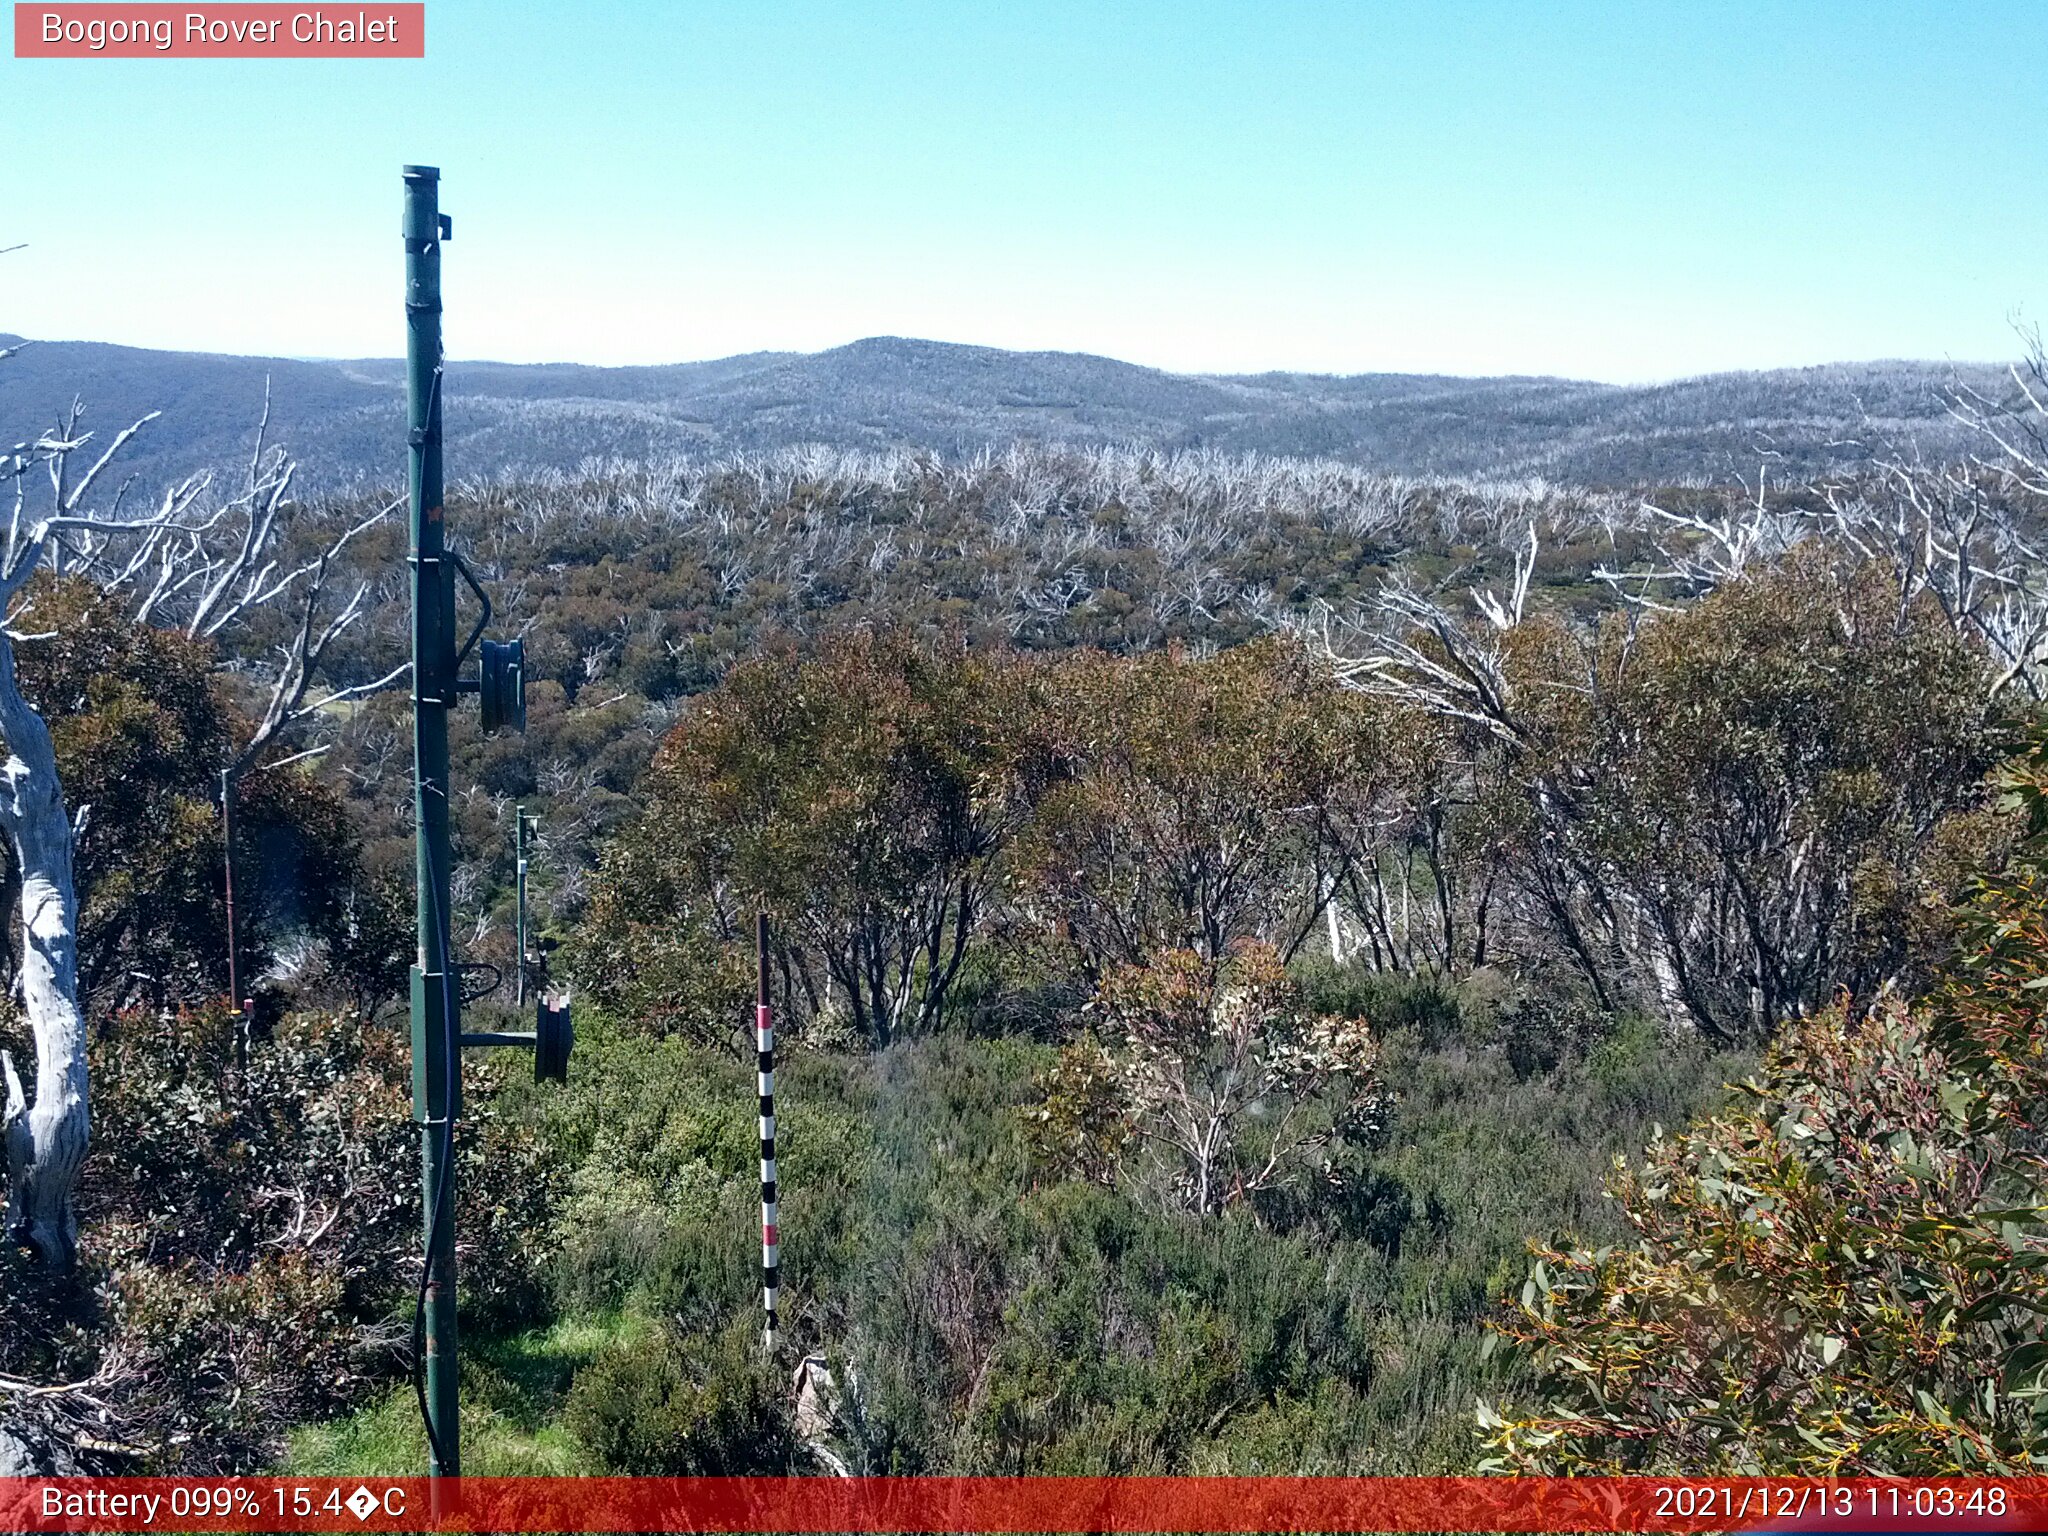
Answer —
46 1137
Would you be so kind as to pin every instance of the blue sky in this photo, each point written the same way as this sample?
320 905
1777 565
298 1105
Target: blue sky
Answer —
1627 192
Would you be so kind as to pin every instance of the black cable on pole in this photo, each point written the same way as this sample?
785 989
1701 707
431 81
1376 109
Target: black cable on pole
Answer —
764 1062
451 1058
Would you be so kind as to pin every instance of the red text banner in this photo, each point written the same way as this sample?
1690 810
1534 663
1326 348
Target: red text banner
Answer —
240 31
1022 1504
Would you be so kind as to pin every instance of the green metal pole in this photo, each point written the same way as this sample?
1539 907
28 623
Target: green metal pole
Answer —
436 1022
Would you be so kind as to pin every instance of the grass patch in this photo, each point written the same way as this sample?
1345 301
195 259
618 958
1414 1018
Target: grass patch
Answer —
512 1389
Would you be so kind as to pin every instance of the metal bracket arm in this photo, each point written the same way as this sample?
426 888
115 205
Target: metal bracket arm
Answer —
462 685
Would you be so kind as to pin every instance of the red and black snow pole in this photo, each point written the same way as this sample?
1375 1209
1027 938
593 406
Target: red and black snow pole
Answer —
764 1047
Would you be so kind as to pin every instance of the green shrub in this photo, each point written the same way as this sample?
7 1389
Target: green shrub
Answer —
1548 1025
684 1405
1387 1000
251 1227
247 1226
1843 1277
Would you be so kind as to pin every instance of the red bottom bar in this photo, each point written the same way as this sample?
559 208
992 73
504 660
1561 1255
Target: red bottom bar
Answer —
1023 1504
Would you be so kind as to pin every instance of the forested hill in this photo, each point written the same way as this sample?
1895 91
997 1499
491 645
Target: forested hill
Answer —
342 419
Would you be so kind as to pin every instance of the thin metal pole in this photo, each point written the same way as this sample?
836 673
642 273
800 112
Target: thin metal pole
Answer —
436 1022
764 1046
244 1007
519 959
227 839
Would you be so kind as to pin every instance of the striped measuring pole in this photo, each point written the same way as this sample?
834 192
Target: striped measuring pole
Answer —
764 1048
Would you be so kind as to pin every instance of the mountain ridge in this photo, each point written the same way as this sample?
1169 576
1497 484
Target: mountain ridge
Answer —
343 418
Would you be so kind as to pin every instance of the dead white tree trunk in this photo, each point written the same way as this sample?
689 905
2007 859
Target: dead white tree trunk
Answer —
46 1140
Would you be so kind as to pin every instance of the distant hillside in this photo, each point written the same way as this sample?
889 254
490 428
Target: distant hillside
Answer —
344 419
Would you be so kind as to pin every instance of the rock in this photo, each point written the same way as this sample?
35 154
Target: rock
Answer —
817 1413
27 1452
